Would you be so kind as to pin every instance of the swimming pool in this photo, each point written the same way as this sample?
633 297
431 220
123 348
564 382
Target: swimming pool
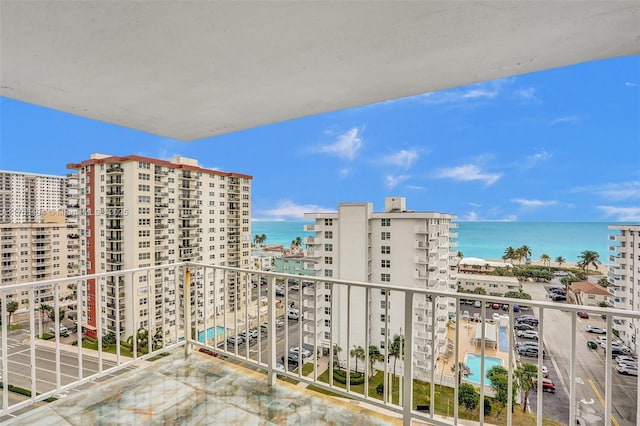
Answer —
211 333
473 362
503 339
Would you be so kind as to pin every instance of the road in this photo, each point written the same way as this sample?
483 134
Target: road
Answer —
590 371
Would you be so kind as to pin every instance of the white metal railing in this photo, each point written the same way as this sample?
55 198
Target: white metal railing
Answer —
335 317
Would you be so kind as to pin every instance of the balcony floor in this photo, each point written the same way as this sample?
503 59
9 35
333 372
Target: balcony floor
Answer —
199 390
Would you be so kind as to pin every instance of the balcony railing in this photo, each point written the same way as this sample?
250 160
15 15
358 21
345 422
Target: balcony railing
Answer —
335 317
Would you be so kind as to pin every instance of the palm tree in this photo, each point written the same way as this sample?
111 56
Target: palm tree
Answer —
589 257
444 364
525 374
460 254
509 253
358 353
259 239
12 306
462 367
560 260
336 360
297 243
546 260
395 350
374 356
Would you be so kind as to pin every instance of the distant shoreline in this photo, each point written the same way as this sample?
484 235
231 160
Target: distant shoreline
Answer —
603 268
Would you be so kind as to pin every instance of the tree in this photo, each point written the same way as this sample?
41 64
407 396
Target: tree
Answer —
142 340
468 396
509 253
12 306
499 378
358 353
336 360
259 239
560 260
479 290
546 260
604 282
462 368
157 339
396 351
374 356
297 243
589 257
460 254
525 373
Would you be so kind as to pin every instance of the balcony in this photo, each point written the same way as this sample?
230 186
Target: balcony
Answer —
198 387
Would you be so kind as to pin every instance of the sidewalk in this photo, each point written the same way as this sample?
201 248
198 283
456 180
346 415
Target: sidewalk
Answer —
64 347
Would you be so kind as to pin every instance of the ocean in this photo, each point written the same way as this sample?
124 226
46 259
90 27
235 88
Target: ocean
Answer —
488 240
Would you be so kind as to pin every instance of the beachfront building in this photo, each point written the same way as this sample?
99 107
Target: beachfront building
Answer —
588 294
396 247
624 279
298 265
136 212
36 252
476 265
25 196
493 285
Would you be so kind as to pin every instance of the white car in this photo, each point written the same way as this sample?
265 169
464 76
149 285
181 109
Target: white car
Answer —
596 330
496 316
528 334
305 352
545 371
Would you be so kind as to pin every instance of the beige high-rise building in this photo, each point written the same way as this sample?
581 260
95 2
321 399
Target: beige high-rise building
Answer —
624 280
395 247
136 212
25 196
36 252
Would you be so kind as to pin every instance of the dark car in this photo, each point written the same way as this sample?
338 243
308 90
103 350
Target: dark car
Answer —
582 314
558 297
592 345
522 326
528 320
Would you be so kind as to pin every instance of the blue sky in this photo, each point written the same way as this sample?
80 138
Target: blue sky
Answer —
558 145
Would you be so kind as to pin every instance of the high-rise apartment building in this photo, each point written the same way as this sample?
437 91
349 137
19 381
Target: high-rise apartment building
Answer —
25 196
136 212
395 247
624 280
36 252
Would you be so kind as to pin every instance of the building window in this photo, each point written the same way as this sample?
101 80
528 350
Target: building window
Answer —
328 222
328 260
385 278
328 247
382 331
328 235
328 273
385 249
385 236
385 263
383 317
385 222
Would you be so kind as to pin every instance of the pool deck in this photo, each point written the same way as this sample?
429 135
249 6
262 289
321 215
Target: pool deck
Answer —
466 345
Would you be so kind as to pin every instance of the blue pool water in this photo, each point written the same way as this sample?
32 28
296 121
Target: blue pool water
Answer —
473 362
503 340
211 333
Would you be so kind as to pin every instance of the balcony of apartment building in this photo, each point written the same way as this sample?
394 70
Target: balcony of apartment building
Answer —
114 170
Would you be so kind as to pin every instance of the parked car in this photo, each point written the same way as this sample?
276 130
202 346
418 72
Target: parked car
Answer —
595 329
627 369
531 352
528 334
626 358
292 358
505 307
279 292
466 316
558 297
547 385
208 352
545 371
305 352
63 330
477 304
523 326
235 340
495 306
557 289
264 326
583 314
279 322
592 345
615 351
253 333
527 320
495 316
295 287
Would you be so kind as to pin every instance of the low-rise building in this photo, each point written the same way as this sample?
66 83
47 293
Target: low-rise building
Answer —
492 284
588 294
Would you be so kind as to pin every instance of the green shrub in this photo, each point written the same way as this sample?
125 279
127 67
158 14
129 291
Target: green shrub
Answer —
380 389
340 376
47 336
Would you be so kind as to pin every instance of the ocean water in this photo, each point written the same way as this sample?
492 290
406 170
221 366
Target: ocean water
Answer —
488 240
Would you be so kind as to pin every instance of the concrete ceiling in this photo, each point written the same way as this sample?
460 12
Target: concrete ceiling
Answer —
189 70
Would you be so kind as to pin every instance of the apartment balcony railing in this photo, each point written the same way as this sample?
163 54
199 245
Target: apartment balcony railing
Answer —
334 306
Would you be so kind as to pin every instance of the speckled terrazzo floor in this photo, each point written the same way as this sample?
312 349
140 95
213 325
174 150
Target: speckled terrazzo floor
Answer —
198 390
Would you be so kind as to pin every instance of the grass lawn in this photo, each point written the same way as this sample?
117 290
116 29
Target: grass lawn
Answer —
444 401
109 349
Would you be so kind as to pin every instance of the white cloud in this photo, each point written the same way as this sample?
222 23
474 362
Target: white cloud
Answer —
344 172
569 119
534 203
416 187
403 158
288 210
345 146
534 159
527 95
468 172
622 214
630 84
470 217
393 181
613 191
475 217
476 205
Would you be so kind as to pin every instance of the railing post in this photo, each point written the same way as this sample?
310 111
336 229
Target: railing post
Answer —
271 335
5 363
407 397
187 311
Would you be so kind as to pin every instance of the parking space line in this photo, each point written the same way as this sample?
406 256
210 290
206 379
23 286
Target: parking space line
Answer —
602 401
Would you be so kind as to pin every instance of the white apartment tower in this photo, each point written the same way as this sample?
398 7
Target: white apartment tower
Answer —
25 196
395 247
137 212
624 280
